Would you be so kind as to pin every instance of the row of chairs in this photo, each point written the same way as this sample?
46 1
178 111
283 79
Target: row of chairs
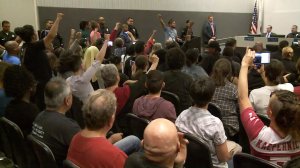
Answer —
198 153
26 152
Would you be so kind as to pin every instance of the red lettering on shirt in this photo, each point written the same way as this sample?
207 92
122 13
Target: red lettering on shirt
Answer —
258 143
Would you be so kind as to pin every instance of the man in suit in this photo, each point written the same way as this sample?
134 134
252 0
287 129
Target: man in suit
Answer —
209 30
269 32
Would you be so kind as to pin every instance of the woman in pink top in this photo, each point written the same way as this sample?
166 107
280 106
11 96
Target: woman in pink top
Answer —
280 141
94 35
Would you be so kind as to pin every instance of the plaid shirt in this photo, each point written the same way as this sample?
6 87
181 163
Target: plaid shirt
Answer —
225 98
206 127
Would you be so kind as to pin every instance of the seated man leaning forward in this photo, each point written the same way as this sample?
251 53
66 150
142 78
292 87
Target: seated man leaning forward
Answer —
90 148
152 106
198 121
163 147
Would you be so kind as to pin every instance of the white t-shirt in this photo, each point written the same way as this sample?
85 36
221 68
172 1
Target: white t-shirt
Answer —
260 97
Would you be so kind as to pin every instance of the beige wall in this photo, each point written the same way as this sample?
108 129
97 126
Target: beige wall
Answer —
19 12
281 15
227 6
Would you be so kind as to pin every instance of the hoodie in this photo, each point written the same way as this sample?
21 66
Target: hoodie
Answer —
154 107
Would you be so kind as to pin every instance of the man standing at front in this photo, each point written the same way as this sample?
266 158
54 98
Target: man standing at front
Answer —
209 30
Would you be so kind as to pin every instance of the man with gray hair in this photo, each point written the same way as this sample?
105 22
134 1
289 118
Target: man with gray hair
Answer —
52 126
90 147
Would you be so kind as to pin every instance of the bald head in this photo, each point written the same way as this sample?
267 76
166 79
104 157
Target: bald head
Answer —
12 47
101 20
161 141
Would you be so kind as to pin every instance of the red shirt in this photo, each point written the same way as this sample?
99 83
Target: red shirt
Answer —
122 94
265 142
297 91
95 152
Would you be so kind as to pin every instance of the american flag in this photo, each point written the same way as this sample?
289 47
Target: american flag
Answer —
253 29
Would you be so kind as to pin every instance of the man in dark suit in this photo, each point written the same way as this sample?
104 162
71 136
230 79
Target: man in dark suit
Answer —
269 32
209 30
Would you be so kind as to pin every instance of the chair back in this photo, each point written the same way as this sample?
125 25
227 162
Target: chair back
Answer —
137 125
214 110
294 163
69 164
5 146
264 119
243 160
173 98
15 140
198 153
43 152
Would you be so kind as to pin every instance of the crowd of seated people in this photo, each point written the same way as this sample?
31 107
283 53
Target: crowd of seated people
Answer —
77 95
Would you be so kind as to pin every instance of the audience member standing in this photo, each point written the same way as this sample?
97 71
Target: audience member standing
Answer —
209 30
35 58
187 31
85 33
103 29
169 30
58 40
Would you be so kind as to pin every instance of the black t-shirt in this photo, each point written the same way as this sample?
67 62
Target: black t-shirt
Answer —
127 67
22 114
56 131
138 160
36 61
179 83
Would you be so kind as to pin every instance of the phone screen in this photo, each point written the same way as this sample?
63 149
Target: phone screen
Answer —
262 58
110 43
